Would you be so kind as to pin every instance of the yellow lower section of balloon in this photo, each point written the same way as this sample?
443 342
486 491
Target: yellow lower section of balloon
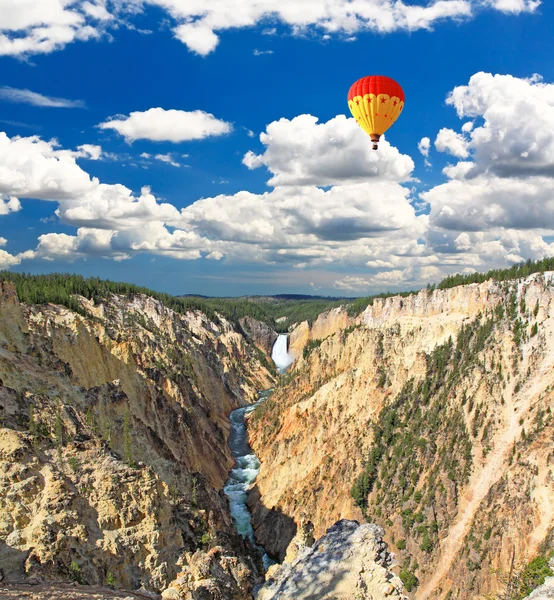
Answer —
375 114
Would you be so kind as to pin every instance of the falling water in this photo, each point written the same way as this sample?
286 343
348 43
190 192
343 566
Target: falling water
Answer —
280 353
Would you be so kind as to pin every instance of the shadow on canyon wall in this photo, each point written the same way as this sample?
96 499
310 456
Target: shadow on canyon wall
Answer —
273 529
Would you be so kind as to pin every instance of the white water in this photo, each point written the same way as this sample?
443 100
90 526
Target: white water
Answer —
247 465
280 353
242 477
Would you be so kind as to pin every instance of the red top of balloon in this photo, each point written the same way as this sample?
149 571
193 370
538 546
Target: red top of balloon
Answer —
376 84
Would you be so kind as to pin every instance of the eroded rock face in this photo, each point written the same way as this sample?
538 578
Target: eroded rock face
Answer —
349 561
325 325
259 333
469 459
213 575
113 445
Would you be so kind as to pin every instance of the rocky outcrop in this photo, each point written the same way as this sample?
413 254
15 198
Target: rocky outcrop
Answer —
258 333
543 592
349 561
113 445
440 406
213 575
325 325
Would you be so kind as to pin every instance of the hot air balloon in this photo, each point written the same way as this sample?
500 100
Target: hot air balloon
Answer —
375 102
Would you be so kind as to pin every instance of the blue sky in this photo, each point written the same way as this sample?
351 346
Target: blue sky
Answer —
260 182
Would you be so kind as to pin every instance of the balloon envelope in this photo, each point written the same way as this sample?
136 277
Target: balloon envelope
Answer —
375 102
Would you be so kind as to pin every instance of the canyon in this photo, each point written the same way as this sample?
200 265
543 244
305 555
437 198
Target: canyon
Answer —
411 439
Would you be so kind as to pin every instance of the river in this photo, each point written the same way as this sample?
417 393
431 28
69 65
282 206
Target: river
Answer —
247 465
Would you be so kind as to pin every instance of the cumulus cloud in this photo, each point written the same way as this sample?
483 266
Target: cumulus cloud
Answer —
199 22
43 26
333 202
158 125
34 168
454 143
390 280
424 146
514 6
10 94
485 202
302 225
497 206
8 260
302 151
307 214
507 143
8 205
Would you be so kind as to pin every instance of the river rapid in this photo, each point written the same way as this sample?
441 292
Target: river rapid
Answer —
247 465
244 473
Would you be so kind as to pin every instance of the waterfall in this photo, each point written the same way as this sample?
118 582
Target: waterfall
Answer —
280 353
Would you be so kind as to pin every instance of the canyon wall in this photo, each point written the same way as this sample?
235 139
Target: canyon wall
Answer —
113 445
430 415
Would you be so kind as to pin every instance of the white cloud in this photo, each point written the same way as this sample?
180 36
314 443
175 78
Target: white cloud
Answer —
159 125
90 151
485 202
7 260
168 158
351 223
8 205
43 26
508 180
262 52
11 94
391 280
506 143
302 151
197 37
498 205
514 6
352 284
484 215
454 143
200 21
33 168
423 146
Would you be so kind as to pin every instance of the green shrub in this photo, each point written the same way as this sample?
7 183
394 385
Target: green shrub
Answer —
409 580
426 543
75 572
532 576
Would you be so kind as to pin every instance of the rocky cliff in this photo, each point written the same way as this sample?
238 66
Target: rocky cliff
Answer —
430 415
113 446
349 561
258 333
